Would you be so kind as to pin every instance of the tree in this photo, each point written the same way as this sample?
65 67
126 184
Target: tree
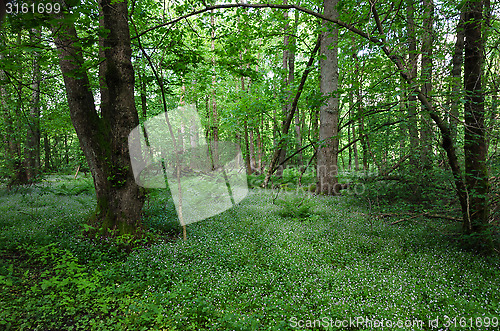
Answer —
33 135
104 137
476 173
327 182
412 98
456 76
426 77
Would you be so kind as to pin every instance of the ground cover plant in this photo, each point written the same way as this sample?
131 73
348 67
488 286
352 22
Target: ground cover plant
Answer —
267 264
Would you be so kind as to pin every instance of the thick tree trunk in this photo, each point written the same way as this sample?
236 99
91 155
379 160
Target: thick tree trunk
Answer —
104 140
476 173
327 169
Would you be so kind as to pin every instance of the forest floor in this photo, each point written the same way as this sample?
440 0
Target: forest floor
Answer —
285 262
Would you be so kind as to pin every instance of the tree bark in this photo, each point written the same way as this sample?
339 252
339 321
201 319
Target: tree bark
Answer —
251 150
476 173
412 70
291 79
213 116
260 147
327 169
248 164
426 77
47 153
456 76
104 139
10 142
287 81
32 150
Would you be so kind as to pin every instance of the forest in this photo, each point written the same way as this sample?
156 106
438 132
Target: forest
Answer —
237 165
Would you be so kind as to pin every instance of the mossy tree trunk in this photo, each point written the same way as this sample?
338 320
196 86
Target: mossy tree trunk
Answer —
104 137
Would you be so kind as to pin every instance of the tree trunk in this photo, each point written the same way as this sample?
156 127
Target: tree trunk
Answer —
426 77
412 70
286 126
32 150
251 150
104 139
47 154
66 150
144 102
287 75
291 79
327 169
9 137
248 164
352 126
260 148
456 76
476 173
214 125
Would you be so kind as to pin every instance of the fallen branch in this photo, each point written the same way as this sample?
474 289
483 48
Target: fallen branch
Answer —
405 219
457 219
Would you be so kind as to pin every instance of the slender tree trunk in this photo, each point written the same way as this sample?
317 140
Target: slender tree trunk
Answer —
412 70
291 79
144 102
286 88
251 149
349 129
360 113
19 164
248 164
9 137
104 139
32 150
47 153
327 169
286 126
426 77
456 76
353 130
476 173
214 121
66 149
260 149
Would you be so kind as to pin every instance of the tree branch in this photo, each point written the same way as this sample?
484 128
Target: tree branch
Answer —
263 5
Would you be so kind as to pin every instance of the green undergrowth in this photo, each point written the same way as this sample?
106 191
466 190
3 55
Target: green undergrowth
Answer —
267 264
